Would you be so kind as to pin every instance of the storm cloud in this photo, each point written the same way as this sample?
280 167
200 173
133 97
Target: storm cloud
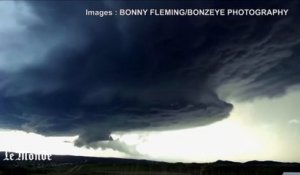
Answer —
64 73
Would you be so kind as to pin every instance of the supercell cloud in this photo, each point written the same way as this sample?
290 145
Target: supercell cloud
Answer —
64 73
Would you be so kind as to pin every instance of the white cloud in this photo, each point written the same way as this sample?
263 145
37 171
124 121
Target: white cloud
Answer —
20 141
293 121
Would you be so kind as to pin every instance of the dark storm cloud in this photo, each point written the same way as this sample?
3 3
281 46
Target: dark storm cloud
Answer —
125 73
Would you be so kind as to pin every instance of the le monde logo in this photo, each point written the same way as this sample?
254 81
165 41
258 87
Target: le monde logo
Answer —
10 156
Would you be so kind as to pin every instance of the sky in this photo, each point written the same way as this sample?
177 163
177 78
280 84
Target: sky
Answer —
190 89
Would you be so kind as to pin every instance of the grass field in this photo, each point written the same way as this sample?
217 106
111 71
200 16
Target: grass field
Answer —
159 168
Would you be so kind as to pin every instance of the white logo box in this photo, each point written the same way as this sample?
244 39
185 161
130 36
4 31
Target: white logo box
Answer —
291 173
